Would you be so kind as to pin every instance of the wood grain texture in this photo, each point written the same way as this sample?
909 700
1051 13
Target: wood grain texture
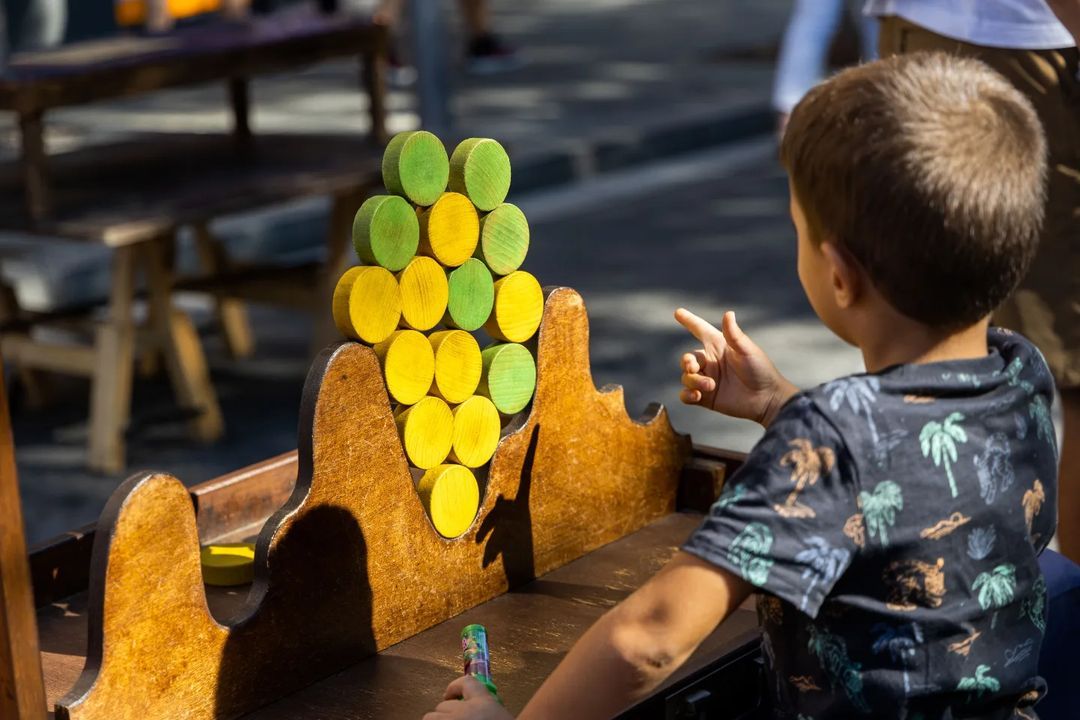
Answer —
472 295
312 614
386 232
449 229
480 170
367 304
415 166
519 306
451 497
427 431
22 689
509 376
504 239
477 427
458 365
408 365
425 292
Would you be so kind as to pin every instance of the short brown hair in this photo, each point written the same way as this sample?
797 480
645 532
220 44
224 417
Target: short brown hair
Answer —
930 170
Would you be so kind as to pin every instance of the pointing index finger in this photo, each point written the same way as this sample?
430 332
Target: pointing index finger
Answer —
698 327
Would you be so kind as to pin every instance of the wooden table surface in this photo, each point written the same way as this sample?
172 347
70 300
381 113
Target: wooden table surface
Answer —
529 632
142 189
132 64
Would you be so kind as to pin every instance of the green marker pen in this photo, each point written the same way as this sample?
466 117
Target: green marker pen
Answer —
474 649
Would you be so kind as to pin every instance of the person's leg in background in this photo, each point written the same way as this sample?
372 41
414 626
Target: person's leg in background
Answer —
868 37
1046 306
35 24
1068 533
485 52
803 52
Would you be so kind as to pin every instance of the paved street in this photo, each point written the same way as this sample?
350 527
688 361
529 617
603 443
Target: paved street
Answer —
708 231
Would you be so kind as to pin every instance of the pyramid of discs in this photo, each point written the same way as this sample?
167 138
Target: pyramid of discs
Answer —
441 255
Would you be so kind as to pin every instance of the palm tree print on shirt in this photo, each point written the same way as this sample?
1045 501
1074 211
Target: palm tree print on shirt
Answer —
1032 501
1033 607
981 542
807 465
994 468
735 494
749 552
995 588
860 393
979 684
938 442
831 652
879 509
1039 411
823 562
855 529
900 643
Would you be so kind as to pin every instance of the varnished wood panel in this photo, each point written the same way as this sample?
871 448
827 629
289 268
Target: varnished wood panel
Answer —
351 564
22 694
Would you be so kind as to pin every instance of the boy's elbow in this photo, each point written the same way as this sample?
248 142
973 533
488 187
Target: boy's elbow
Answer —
644 649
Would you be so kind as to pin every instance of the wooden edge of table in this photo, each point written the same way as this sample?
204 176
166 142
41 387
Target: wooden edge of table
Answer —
239 502
125 65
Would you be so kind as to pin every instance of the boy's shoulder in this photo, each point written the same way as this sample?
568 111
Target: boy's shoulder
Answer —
874 407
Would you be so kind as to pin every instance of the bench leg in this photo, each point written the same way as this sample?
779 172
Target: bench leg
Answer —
32 132
179 342
373 77
231 313
338 258
114 346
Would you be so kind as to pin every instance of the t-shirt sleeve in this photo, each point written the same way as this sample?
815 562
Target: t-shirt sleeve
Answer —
779 523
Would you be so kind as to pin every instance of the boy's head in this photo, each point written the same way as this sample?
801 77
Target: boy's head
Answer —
924 174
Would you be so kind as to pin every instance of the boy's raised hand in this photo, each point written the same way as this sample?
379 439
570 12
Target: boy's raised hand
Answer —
730 374
467 699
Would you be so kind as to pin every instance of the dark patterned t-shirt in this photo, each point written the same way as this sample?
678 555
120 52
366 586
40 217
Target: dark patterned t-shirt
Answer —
892 522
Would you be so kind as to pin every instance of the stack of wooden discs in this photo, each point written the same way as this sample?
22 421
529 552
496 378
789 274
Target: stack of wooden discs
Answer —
441 277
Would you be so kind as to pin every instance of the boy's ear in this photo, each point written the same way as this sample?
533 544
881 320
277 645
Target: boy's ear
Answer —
844 275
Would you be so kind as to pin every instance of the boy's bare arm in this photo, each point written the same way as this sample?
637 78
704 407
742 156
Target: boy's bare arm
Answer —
1068 12
635 646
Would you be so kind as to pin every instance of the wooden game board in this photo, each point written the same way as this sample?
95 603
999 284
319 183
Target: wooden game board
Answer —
351 566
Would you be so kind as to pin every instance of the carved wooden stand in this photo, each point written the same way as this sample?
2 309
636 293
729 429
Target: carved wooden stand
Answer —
351 564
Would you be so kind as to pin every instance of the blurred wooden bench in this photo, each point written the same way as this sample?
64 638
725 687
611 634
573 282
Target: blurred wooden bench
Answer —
133 197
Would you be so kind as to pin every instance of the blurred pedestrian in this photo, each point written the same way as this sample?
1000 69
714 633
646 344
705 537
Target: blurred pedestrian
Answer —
485 52
804 50
34 24
1034 44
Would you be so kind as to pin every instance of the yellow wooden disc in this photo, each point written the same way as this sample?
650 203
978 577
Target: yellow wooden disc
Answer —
408 365
228 564
458 365
450 229
519 307
451 497
367 304
477 427
427 431
424 293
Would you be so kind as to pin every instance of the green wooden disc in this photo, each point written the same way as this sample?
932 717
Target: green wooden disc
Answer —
386 232
509 376
504 239
472 295
480 169
415 165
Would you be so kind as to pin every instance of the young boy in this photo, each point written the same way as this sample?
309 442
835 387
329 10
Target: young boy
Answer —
890 520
